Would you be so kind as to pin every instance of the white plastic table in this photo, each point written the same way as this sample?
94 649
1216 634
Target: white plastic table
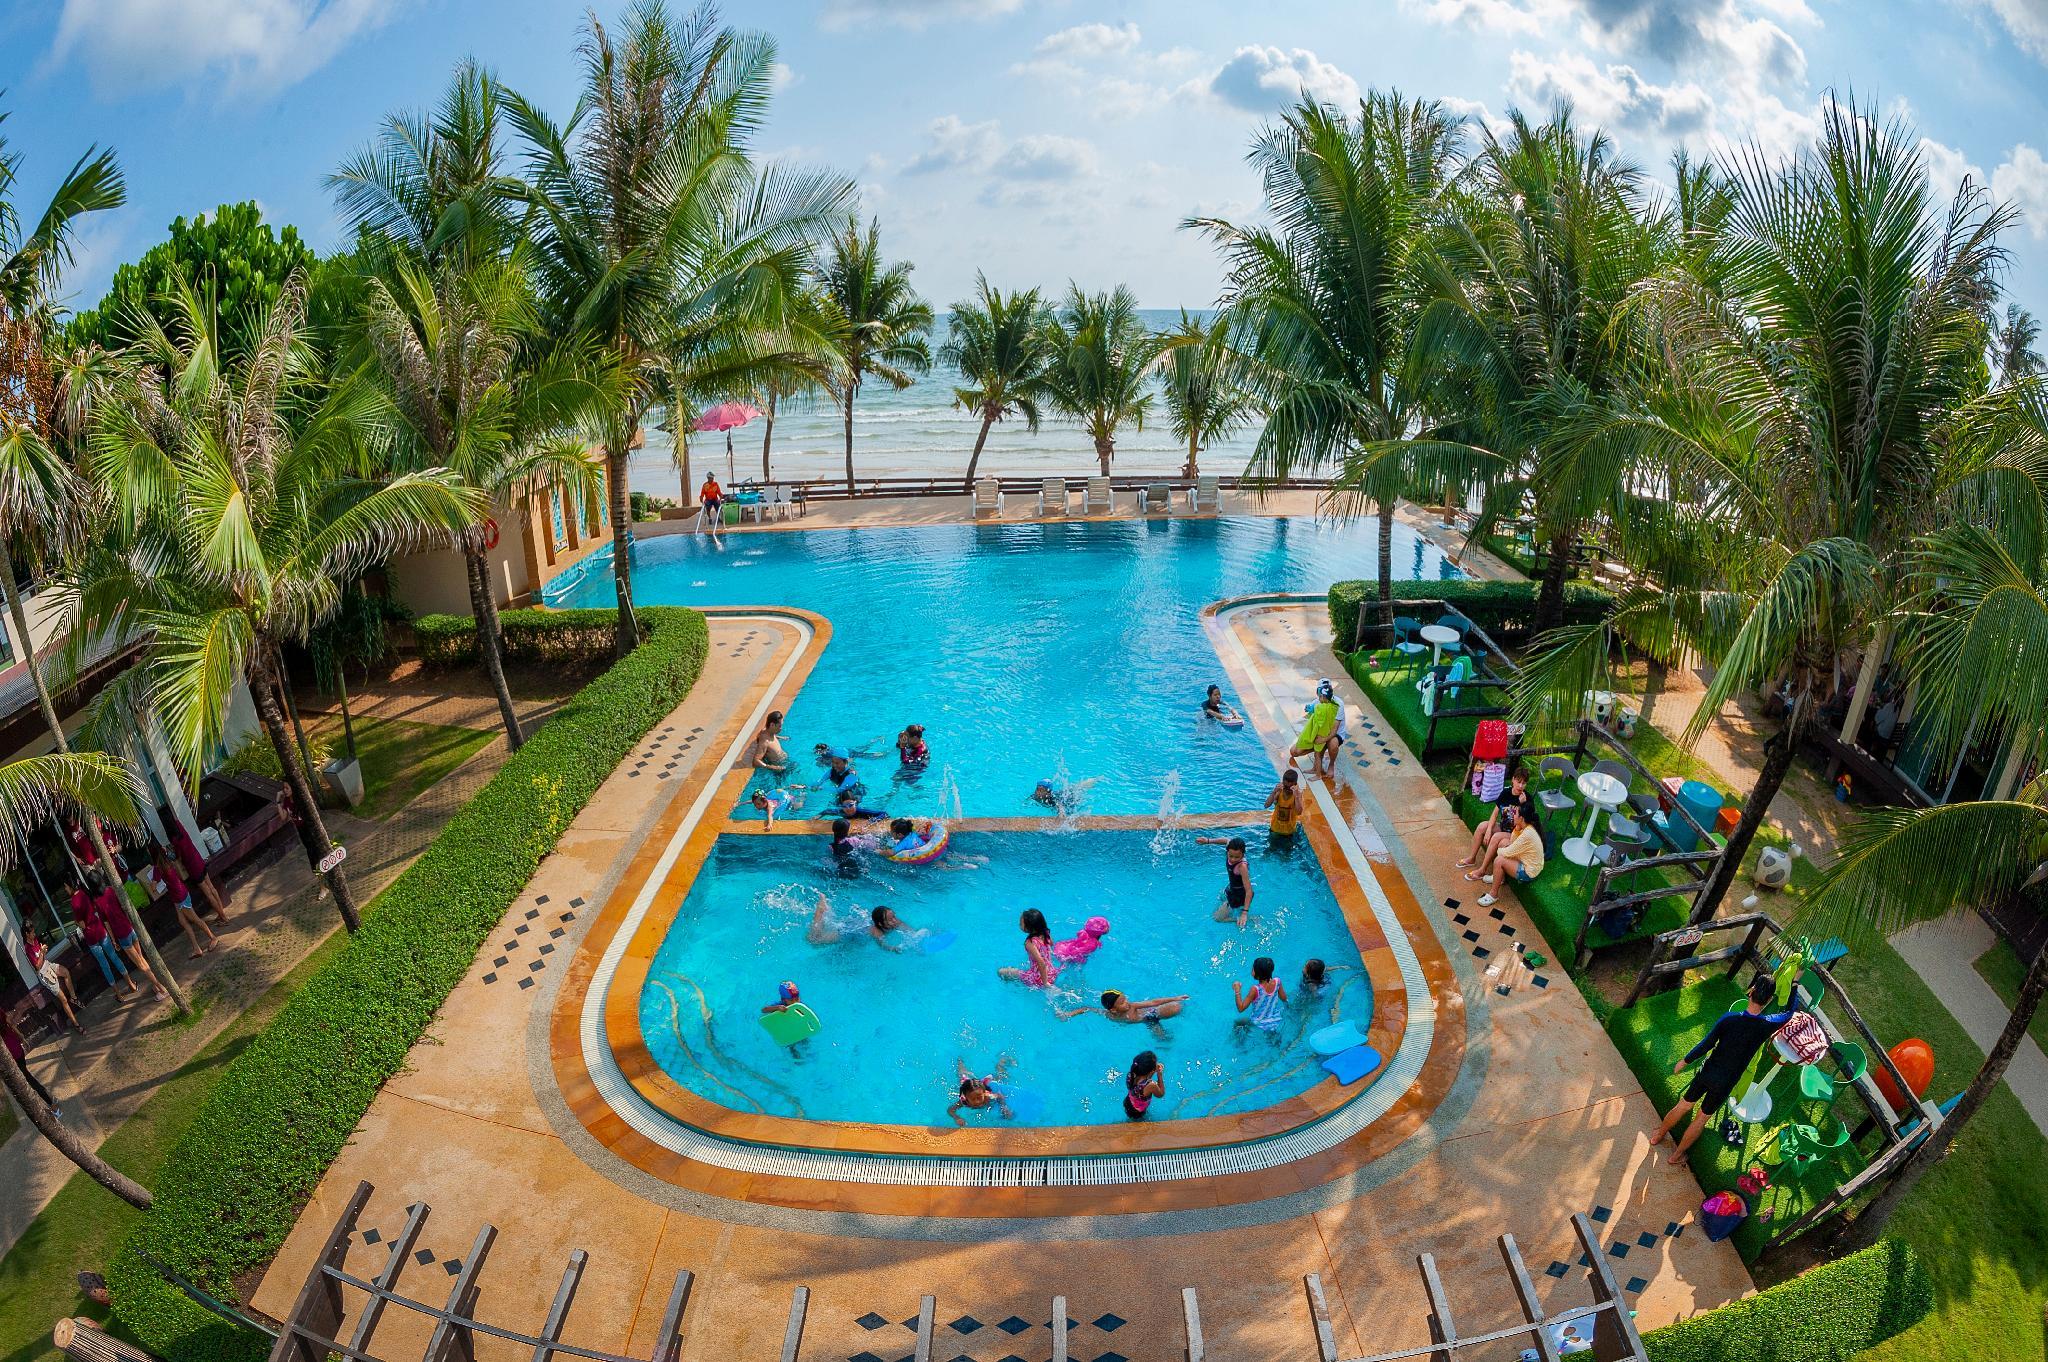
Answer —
1436 636
1603 794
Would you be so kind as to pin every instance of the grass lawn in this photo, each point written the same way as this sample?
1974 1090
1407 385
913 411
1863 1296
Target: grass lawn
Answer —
400 758
84 1225
2002 970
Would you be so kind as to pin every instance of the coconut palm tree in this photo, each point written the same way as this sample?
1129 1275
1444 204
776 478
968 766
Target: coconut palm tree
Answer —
2012 345
1326 299
32 257
1000 348
881 321
459 357
1199 376
647 216
91 785
241 502
1101 370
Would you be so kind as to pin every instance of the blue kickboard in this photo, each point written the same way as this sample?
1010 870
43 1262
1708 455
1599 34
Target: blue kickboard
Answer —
1353 1064
1336 1038
934 942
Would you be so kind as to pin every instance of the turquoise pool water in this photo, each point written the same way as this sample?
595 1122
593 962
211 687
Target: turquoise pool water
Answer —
896 1025
1070 651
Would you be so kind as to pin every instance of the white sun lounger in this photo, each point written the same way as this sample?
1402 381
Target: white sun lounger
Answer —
1205 496
988 498
1096 499
1052 492
1154 498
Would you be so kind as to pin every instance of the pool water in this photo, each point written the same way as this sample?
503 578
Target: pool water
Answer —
1066 651
897 1025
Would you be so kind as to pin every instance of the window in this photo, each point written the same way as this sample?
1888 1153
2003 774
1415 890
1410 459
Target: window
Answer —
561 531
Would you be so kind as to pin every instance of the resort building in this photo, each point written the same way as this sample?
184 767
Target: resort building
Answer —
539 540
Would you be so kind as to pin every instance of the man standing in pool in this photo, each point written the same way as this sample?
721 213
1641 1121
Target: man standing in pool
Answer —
765 752
1236 900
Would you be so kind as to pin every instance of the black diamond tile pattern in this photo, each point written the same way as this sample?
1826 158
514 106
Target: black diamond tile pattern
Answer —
1557 1270
1109 1324
372 1236
871 1321
1634 1286
1602 1214
966 1324
1013 1325
423 1257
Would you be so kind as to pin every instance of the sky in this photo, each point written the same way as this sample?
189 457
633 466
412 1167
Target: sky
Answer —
1040 141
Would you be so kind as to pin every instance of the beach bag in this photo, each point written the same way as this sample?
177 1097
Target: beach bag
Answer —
1721 1213
1488 779
1800 1040
1490 743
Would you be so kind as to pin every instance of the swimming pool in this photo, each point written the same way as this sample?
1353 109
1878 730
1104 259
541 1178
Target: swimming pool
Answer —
896 1024
1075 651
1071 651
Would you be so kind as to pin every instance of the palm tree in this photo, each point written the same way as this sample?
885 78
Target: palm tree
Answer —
449 346
32 789
1199 377
2012 344
1102 365
882 322
1000 348
241 504
1327 298
648 218
41 503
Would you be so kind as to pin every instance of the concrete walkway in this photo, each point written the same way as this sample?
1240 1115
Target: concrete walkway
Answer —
1941 953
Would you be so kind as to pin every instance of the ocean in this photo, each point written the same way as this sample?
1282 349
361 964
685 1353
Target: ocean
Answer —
919 432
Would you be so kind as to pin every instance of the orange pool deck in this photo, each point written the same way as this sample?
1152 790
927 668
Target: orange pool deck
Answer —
1522 1114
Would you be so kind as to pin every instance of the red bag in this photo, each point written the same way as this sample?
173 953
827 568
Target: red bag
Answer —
1490 743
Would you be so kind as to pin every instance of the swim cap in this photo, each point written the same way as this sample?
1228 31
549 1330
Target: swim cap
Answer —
1112 996
786 991
1096 926
836 753
1045 785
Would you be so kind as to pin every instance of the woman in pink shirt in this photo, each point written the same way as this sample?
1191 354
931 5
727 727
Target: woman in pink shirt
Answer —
114 917
92 934
181 901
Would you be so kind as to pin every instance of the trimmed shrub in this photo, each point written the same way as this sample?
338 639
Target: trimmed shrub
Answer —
573 637
1505 610
281 1112
1826 1314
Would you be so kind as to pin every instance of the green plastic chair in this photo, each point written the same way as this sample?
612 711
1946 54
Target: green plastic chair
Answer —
1850 1062
1818 1088
1792 1154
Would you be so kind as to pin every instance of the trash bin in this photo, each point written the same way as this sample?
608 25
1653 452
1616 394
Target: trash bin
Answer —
1703 802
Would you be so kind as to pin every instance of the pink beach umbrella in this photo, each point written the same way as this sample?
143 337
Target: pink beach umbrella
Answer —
728 417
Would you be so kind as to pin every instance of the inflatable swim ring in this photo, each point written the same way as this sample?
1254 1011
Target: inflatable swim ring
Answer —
937 839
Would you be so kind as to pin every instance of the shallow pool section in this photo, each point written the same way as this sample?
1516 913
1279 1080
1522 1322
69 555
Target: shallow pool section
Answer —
1066 651
896 1025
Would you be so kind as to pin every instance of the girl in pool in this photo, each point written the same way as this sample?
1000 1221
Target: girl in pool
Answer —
1214 708
1084 943
910 746
851 807
1285 802
881 925
1237 885
979 1094
1314 978
1143 1085
766 750
1118 1008
1266 1000
906 838
1041 972
773 802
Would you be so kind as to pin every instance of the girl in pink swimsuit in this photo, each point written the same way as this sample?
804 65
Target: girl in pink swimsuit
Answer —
1041 972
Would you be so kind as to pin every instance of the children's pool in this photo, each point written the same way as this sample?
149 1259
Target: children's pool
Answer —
897 1024
1066 651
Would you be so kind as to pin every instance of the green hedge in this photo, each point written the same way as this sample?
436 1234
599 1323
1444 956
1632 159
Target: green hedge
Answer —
574 636
232 1188
1505 610
1828 1313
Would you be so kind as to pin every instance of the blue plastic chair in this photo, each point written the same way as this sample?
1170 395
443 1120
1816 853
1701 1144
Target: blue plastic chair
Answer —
1404 641
1453 622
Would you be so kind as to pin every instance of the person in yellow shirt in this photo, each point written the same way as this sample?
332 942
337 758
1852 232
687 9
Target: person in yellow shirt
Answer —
1521 859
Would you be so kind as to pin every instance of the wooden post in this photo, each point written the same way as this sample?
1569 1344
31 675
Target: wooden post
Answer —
1614 1332
452 1340
668 1344
1319 1315
558 1312
1525 1292
927 1312
1441 1327
793 1332
316 1314
1059 1329
387 1277
83 1340
1191 1320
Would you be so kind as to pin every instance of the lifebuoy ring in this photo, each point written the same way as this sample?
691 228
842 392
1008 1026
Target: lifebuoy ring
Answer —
490 533
937 839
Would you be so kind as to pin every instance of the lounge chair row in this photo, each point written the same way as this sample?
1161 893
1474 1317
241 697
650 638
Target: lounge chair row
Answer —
1099 498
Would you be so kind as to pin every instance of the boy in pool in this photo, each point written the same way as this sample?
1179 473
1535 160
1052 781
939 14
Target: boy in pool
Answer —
1314 978
766 750
851 807
1285 802
1266 1000
1214 708
979 1094
786 997
1062 797
1237 885
881 925
1118 1008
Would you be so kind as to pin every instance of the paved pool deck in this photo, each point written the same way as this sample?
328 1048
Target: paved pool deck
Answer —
1523 1115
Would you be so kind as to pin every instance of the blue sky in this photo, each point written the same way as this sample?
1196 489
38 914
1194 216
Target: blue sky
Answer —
1037 140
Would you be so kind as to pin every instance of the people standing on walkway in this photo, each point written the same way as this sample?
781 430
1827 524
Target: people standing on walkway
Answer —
121 929
1723 1058
92 934
181 901
10 1039
196 873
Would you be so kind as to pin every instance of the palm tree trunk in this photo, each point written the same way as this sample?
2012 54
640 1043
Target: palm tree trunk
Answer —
767 438
263 684
1191 472
18 614
850 390
627 634
1105 449
1778 754
1386 565
490 642
1866 1227
66 1141
979 440
1550 595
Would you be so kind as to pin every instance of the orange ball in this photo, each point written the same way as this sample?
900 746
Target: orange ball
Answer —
1915 1061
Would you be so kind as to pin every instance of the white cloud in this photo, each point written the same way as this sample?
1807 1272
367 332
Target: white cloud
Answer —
1946 167
957 145
1044 156
1265 78
781 77
1614 95
240 46
2022 180
1088 42
911 13
2026 20
1496 16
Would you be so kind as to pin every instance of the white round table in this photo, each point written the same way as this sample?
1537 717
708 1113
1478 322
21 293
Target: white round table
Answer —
1603 794
1436 636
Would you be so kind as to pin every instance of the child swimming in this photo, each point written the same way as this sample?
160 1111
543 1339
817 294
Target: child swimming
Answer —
1041 972
979 1094
1119 1008
1083 943
851 807
1060 795
904 837
1314 978
1285 802
773 802
881 925
786 997
1237 886
1143 1085
1213 707
910 746
1267 998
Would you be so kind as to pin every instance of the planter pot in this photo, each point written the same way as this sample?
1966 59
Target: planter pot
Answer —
345 778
